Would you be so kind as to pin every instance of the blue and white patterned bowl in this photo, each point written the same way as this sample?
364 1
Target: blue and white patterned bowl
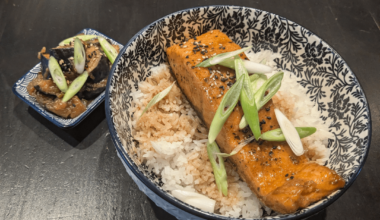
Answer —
19 89
330 84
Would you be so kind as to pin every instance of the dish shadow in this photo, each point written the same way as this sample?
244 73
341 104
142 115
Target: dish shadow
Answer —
72 137
160 213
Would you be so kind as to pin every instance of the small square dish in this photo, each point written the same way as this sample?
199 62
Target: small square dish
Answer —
19 89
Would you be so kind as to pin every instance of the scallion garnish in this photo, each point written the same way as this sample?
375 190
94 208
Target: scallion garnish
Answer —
255 76
57 75
217 164
108 49
291 135
273 84
195 199
75 86
247 99
157 98
258 82
221 57
251 67
278 135
237 148
79 56
224 110
82 37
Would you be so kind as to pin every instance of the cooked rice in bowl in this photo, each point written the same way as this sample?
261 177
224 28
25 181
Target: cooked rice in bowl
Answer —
172 139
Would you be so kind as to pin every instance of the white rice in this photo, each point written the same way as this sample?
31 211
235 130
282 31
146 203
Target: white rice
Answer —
179 156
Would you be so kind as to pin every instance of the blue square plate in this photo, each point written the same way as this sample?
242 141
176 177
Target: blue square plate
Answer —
19 89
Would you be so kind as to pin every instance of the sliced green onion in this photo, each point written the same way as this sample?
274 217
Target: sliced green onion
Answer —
251 67
75 86
195 199
108 49
247 99
291 135
157 98
217 59
255 76
57 75
237 148
273 84
217 164
82 37
257 83
79 56
277 134
229 101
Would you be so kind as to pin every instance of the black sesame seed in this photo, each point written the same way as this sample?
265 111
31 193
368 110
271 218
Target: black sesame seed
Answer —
192 67
269 118
291 177
267 109
274 147
206 79
216 77
187 56
223 79
222 87
270 153
232 77
286 175
263 122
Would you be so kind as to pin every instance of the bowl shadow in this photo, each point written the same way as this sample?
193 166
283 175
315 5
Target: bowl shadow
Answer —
73 136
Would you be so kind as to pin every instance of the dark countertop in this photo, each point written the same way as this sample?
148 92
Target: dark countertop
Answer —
49 173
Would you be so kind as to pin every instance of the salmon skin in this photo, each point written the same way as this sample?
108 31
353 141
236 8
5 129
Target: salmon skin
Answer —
281 180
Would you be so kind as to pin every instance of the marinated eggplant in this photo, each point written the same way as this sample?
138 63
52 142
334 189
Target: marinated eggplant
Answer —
92 90
45 65
49 95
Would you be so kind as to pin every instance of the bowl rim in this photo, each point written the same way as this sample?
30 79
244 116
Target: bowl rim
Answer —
54 118
184 206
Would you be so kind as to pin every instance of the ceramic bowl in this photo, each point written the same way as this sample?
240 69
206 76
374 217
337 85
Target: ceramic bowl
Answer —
19 89
330 84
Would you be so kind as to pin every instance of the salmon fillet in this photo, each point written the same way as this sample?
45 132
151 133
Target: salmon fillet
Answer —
281 180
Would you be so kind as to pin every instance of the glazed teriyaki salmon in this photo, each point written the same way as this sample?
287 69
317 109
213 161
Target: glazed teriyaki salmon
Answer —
281 180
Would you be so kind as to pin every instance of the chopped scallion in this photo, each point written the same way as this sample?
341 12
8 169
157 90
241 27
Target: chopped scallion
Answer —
108 49
79 56
82 37
75 86
237 148
247 99
217 164
291 135
251 67
273 84
221 57
195 199
224 110
57 75
157 98
278 135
